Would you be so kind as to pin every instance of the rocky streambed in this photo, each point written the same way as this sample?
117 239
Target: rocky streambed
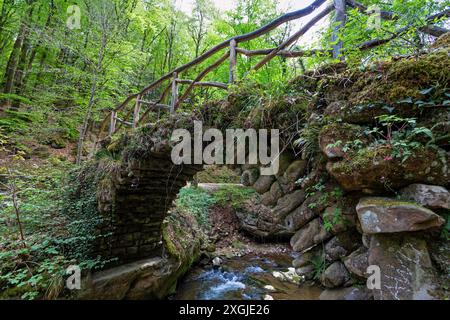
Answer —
254 276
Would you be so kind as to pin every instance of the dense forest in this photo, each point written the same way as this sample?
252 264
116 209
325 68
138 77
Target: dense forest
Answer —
65 65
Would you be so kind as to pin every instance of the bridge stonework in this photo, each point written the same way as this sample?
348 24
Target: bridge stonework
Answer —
136 205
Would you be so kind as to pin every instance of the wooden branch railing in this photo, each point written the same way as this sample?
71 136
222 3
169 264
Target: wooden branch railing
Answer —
174 82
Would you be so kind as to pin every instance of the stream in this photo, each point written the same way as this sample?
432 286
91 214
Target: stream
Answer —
250 277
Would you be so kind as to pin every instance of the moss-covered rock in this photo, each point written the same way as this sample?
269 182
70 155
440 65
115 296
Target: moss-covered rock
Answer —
374 168
337 138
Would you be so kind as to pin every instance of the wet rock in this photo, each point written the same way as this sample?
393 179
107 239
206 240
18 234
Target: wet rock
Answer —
288 276
341 245
151 278
374 168
310 235
217 262
263 184
271 197
249 177
288 203
385 215
357 262
269 288
335 275
406 269
336 137
433 197
350 293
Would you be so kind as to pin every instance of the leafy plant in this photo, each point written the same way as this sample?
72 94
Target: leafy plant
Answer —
234 196
197 202
400 135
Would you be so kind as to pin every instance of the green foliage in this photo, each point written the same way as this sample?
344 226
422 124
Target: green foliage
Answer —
80 208
234 196
217 174
333 220
308 141
195 201
445 233
401 135
34 269
320 264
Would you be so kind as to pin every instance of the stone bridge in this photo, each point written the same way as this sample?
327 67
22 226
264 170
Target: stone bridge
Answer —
342 206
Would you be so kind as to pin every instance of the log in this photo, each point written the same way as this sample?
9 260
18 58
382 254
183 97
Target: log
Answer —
215 84
233 57
202 75
137 111
282 53
158 103
124 122
241 38
377 42
112 125
174 100
340 19
386 15
294 37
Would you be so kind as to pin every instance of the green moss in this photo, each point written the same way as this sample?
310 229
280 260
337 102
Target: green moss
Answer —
363 158
168 243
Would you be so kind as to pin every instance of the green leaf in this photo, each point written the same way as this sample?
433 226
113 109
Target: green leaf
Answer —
426 91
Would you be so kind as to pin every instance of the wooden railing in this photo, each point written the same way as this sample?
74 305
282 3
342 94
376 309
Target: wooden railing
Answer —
134 117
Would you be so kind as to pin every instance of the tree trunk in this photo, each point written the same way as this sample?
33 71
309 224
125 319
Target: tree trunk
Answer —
88 115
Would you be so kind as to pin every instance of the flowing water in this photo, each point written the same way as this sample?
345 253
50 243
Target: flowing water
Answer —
251 277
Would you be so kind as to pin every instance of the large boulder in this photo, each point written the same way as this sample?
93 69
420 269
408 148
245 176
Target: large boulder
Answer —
357 262
335 275
350 293
337 138
309 236
385 215
406 269
433 197
375 168
288 203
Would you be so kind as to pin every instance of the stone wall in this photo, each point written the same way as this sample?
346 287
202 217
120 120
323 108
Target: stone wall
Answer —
357 201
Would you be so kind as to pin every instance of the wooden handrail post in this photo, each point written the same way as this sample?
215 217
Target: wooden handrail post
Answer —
112 125
174 100
233 61
340 19
137 111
